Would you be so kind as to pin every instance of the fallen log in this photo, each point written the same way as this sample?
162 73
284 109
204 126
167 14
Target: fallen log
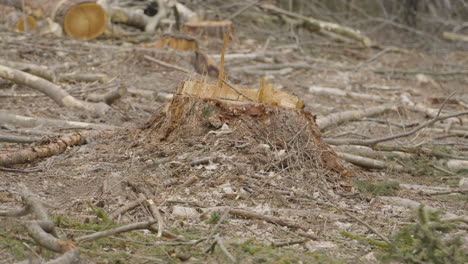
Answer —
54 147
352 115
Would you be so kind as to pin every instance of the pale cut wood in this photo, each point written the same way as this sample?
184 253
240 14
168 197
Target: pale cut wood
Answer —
369 152
52 90
324 122
26 121
55 147
40 71
18 139
368 162
111 232
411 204
340 92
455 36
265 94
109 97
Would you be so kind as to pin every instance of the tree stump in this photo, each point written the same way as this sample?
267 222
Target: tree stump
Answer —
285 135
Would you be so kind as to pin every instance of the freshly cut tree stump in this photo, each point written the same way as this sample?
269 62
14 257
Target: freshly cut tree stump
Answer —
175 42
199 109
81 19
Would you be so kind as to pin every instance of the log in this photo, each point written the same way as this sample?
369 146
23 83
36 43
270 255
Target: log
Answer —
351 115
26 121
54 147
455 36
14 18
81 19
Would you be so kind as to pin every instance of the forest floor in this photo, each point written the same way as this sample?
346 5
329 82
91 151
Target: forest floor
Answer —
106 170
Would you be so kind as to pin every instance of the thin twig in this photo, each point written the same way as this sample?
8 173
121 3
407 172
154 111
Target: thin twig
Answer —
224 249
111 232
237 91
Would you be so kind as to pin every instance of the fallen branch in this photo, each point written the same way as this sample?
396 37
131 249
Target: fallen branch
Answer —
167 65
52 90
127 207
42 230
26 121
137 19
371 153
40 71
322 25
407 149
455 36
19 139
156 214
374 141
269 219
37 230
367 162
248 56
456 165
224 249
15 212
340 92
111 232
153 22
412 204
324 122
69 257
55 147
288 243
109 97
82 77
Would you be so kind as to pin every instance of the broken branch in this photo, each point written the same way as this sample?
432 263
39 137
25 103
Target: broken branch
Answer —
52 90
322 25
111 232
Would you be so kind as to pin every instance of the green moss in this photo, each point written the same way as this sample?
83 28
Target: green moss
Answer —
214 219
365 240
378 189
100 213
253 252
425 241
15 247
207 112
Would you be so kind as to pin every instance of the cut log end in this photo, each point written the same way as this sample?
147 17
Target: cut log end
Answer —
85 21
